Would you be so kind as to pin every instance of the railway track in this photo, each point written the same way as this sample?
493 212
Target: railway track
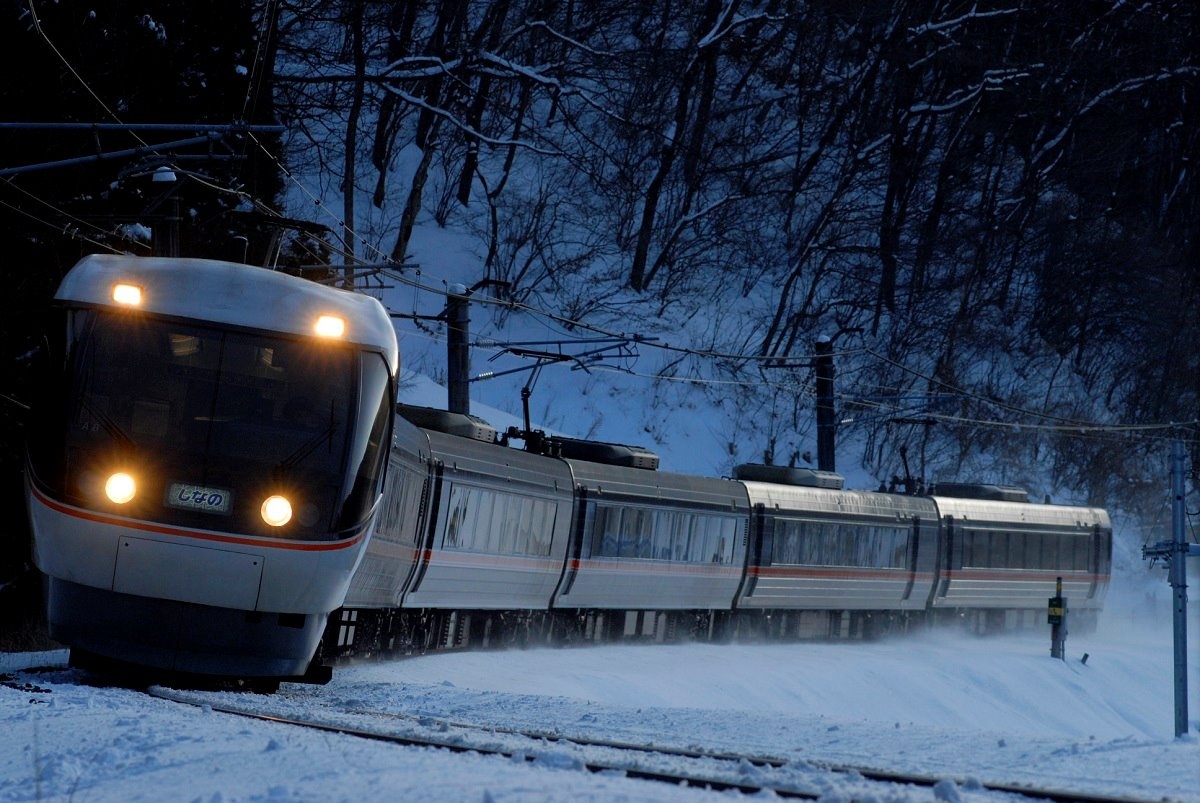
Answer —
696 768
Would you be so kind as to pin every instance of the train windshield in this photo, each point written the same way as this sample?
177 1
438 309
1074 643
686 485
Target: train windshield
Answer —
210 424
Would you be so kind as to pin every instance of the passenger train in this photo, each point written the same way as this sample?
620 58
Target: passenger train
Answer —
222 485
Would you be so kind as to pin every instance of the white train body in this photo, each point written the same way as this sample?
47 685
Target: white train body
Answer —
998 555
821 548
209 392
170 428
769 554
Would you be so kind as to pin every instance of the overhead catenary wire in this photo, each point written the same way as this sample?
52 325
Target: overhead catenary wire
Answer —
117 125
1057 423
67 229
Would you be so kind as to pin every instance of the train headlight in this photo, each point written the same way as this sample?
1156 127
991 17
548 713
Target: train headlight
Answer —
120 488
276 511
330 326
129 295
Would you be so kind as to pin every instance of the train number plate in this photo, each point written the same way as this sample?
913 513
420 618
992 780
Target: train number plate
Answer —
198 497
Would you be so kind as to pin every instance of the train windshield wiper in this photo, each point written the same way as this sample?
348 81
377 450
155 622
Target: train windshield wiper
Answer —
111 427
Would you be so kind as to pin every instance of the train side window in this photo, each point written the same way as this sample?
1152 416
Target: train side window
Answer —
695 552
663 529
525 534
524 525
646 543
808 542
679 537
531 532
711 539
879 555
469 533
1033 551
806 546
966 543
480 532
475 534
614 540
718 539
855 542
595 529
627 535
809 550
998 554
645 526
455 518
843 550
587 531
789 541
503 525
404 507
810 546
1060 551
698 543
486 536
544 520
1053 549
729 529
508 516
1016 549
974 548
900 548
832 548
604 532
822 549
1080 551
874 553
611 533
865 552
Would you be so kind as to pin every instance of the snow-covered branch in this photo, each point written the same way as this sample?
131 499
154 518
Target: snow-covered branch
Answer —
462 126
1051 146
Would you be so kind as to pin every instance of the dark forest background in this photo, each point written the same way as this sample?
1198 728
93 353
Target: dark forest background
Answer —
991 207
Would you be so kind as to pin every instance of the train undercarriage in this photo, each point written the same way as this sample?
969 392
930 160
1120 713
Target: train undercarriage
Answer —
365 633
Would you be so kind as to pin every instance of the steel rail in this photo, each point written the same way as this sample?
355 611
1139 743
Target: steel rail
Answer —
701 780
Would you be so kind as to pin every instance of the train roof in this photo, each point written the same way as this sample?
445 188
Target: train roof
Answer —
234 294
603 480
783 500
984 512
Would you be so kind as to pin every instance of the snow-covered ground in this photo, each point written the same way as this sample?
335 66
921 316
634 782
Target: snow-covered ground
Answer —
993 710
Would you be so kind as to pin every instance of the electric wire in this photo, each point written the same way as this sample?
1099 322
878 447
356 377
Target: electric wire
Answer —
67 229
1061 424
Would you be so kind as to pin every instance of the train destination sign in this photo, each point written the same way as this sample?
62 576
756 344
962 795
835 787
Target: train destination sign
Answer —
197 497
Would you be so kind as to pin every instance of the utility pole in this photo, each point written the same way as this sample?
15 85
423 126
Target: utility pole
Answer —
166 230
826 416
458 350
1175 552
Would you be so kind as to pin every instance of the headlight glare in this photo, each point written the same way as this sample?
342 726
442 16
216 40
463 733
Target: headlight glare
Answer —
120 488
276 510
330 326
129 295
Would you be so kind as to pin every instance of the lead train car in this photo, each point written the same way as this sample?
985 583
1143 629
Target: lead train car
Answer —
205 461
